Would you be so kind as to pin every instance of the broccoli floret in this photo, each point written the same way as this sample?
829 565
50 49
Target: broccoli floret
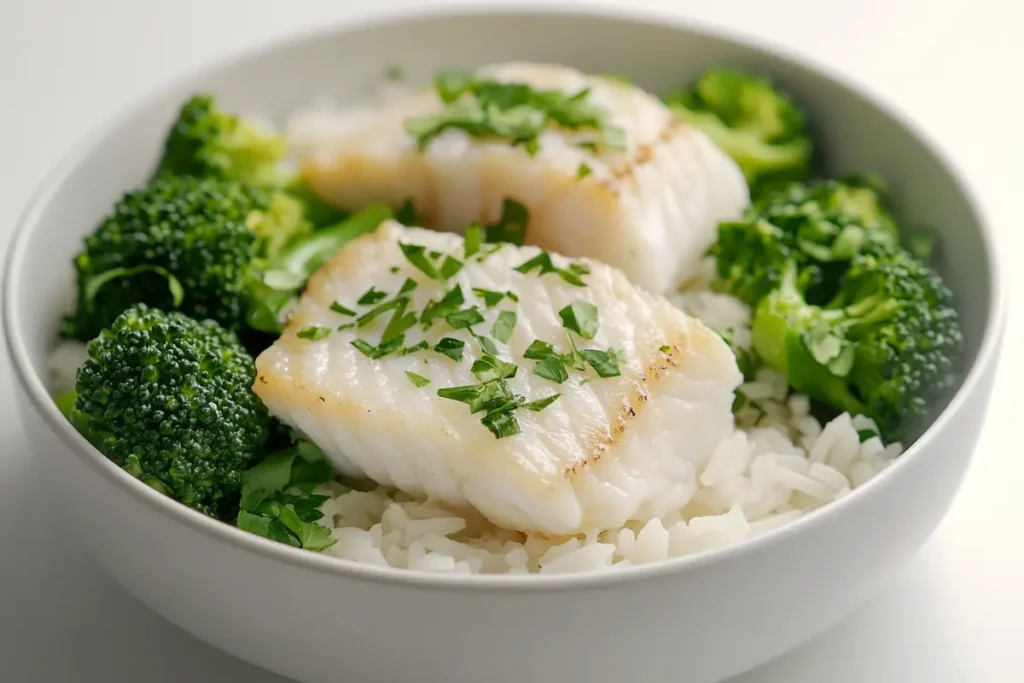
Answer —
885 346
206 140
819 226
169 399
195 244
752 121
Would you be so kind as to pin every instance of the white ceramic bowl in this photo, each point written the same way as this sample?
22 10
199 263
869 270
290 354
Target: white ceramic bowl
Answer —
318 619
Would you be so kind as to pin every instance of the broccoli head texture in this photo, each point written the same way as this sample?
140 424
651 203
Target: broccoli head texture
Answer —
206 140
819 226
169 399
752 121
884 347
194 244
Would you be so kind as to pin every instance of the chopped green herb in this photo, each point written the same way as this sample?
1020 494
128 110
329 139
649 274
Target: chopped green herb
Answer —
313 333
407 286
551 368
376 352
346 326
543 262
511 226
503 326
588 145
573 359
449 303
512 296
474 238
451 347
343 310
502 423
489 368
865 434
581 318
490 297
450 267
539 350
417 256
665 348
406 214
418 380
605 363
373 313
372 296
479 397
486 345
399 323
467 317
541 404
422 345
394 269
583 170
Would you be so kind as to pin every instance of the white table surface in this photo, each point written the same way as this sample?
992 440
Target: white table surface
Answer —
956 615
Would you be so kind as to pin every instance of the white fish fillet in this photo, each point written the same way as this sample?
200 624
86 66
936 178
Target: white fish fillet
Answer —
607 451
650 210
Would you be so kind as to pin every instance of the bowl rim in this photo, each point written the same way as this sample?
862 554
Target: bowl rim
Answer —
33 386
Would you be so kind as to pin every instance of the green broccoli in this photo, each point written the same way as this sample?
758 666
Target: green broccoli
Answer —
819 226
169 399
211 248
752 121
211 142
884 346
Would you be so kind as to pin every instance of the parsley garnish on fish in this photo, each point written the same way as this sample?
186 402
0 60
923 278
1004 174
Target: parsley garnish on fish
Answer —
515 112
467 317
418 380
511 225
449 303
542 262
371 296
489 368
490 297
541 404
583 170
313 333
605 363
581 318
504 326
376 352
473 239
451 347
337 307
417 255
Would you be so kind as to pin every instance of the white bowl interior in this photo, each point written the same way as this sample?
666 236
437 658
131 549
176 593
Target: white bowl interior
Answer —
346 65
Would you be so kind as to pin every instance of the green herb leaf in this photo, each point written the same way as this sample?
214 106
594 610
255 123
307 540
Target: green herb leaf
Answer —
450 267
605 363
502 423
539 350
504 326
467 317
474 238
377 352
422 345
313 333
511 226
488 368
419 380
665 348
541 404
543 263
399 323
406 214
551 368
406 287
369 316
581 318
371 296
417 256
449 303
486 345
451 347
490 297
343 310
583 170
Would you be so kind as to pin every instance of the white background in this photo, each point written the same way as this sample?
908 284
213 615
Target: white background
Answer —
955 616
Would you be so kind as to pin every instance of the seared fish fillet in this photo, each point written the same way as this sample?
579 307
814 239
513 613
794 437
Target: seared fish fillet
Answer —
607 450
649 208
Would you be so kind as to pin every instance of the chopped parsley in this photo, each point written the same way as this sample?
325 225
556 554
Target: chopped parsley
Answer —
406 214
451 347
551 368
486 345
337 307
376 352
516 112
371 296
399 323
545 265
406 287
511 225
583 170
541 404
422 345
417 255
488 368
467 317
313 333
503 326
474 238
449 303
373 313
605 363
665 348
539 350
418 380
581 318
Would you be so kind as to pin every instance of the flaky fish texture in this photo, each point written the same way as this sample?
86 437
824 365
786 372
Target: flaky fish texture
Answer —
607 450
650 208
